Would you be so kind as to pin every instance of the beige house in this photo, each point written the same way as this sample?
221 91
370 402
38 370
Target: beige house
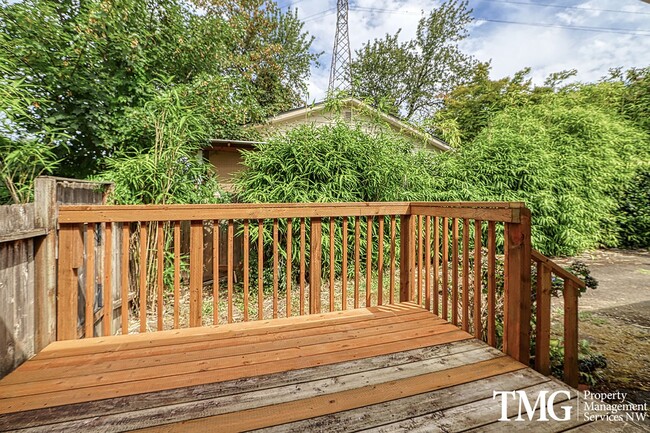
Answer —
225 155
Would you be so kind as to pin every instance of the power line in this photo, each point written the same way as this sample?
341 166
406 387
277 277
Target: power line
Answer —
565 7
640 32
395 11
582 28
319 14
290 4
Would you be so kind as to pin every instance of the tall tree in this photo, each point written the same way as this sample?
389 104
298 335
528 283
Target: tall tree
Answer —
90 61
468 108
268 48
411 78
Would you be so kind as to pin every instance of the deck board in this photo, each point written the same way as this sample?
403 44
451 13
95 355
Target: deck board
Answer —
383 369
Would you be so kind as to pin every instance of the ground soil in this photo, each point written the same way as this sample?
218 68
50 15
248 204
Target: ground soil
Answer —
615 319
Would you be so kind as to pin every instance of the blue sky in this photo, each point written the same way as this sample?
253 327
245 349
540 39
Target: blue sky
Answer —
591 36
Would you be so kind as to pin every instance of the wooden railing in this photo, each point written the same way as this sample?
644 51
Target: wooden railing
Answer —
461 302
570 292
310 258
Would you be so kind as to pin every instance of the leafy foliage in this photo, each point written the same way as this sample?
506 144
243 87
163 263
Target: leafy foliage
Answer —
409 78
634 103
167 168
471 106
565 160
20 163
633 213
92 61
23 155
333 163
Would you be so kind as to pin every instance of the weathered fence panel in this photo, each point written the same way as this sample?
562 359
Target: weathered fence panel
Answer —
28 256
16 285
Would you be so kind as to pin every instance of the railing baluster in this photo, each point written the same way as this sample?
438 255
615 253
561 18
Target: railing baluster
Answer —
543 320
107 317
357 234
246 253
275 268
260 269
315 259
427 263
445 268
477 279
177 273
288 270
380 262
196 273
571 372
369 222
407 258
436 267
393 230
492 285
465 274
454 272
160 265
90 281
231 268
143 276
331 240
302 266
344 265
216 228
124 284
418 296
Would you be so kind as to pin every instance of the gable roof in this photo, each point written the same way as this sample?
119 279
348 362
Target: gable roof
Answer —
394 122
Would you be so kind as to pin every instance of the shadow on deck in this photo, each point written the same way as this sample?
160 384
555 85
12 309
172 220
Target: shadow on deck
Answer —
389 368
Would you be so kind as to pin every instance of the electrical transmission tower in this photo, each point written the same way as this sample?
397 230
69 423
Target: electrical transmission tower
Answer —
340 74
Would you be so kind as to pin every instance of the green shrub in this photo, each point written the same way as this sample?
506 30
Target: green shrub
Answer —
566 162
164 166
333 164
634 210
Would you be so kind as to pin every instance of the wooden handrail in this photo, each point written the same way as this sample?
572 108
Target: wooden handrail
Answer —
572 285
490 211
557 269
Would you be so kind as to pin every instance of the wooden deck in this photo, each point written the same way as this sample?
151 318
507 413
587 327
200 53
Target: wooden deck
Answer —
390 368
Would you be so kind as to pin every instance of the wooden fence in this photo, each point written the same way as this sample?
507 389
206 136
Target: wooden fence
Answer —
28 266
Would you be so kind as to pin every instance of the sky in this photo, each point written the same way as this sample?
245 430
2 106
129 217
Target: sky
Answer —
591 36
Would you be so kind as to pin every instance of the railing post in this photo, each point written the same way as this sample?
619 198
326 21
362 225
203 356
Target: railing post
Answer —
45 262
570 333
407 258
543 320
70 260
517 291
315 253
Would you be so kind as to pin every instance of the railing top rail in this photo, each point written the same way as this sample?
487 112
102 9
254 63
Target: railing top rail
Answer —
472 204
555 268
495 211
125 213
509 212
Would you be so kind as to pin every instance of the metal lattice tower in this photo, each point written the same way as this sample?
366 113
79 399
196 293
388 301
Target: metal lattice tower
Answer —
340 74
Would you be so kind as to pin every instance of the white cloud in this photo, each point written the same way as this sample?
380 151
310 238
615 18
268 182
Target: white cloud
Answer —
510 47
